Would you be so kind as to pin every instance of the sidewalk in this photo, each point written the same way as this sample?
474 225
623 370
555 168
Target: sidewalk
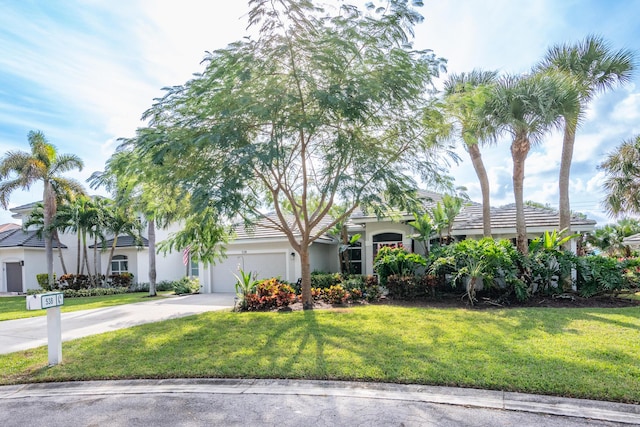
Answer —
23 334
288 402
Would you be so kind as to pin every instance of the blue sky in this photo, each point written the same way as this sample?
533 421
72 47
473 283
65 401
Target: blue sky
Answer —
83 72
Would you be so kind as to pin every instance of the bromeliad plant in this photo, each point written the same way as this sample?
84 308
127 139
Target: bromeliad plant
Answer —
245 285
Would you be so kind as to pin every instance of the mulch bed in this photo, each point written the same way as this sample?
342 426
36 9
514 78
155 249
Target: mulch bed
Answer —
456 301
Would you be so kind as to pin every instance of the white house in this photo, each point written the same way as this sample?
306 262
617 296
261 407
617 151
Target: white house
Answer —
260 249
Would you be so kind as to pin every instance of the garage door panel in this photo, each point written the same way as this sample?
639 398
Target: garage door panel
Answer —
263 265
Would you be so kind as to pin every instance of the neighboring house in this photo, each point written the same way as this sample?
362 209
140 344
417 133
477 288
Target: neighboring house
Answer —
22 256
632 241
263 250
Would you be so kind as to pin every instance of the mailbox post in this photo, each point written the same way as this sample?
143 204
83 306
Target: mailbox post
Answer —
51 301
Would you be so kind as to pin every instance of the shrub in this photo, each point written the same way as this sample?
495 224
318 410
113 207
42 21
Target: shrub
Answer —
598 274
270 293
186 285
43 281
404 287
336 294
94 292
396 261
325 280
75 282
120 280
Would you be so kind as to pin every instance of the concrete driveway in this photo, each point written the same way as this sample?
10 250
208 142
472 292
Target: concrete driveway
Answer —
22 334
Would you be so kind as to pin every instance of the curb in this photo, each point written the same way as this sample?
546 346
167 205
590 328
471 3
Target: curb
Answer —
550 405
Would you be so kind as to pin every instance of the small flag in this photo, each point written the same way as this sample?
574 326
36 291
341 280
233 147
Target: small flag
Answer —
185 255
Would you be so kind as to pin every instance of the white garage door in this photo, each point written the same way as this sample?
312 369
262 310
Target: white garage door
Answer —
264 265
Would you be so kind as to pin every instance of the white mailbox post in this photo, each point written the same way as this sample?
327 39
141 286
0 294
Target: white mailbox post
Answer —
51 301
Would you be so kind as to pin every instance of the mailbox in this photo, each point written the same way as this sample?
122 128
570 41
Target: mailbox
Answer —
44 301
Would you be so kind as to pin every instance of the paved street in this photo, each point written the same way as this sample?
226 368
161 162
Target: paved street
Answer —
293 403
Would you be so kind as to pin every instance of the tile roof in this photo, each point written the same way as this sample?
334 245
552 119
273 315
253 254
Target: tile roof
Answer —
9 226
470 218
505 217
263 229
125 241
20 238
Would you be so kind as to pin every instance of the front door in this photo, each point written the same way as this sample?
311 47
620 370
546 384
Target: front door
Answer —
14 277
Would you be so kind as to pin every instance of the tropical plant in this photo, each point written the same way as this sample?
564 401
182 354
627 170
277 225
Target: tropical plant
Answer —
396 261
317 110
245 284
36 218
593 67
465 95
527 107
622 182
424 228
20 170
551 241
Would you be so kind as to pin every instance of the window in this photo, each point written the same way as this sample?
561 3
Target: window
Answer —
386 239
194 268
119 264
355 258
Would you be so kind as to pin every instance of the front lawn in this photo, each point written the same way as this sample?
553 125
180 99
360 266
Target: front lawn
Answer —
16 307
587 353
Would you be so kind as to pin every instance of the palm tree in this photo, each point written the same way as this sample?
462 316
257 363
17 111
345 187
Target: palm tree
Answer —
622 182
464 95
20 170
528 107
120 220
594 67
424 228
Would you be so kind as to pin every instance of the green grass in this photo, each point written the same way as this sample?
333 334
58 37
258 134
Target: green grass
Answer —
16 307
586 353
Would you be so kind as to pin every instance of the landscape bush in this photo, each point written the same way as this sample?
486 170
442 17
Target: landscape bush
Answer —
598 275
186 285
270 294
396 261
120 280
43 281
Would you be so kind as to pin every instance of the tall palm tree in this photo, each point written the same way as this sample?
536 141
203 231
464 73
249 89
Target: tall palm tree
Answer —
527 107
20 170
622 182
424 228
464 96
594 67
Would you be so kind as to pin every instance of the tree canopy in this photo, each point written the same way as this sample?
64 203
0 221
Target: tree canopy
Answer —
322 107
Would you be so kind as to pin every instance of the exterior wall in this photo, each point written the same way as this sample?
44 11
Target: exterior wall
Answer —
324 257
374 228
259 257
11 255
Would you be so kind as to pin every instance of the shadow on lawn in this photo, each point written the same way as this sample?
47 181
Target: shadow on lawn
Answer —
527 350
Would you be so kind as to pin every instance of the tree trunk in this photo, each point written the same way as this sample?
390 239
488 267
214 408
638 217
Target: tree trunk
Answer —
78 256
519 150
152 258
113 249
96 272
307 298
60 255
563 181
48 212
86 258
481 172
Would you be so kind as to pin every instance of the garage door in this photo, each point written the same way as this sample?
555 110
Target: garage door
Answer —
264 265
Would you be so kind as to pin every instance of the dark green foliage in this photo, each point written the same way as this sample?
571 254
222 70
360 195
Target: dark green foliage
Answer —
43 281
77 281
599 275
94 292
406 287
186 285
325 280
396 261
120 280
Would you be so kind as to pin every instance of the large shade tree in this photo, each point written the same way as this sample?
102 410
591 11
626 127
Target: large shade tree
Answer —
318 109
464 96
21 170
528 107
594 67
